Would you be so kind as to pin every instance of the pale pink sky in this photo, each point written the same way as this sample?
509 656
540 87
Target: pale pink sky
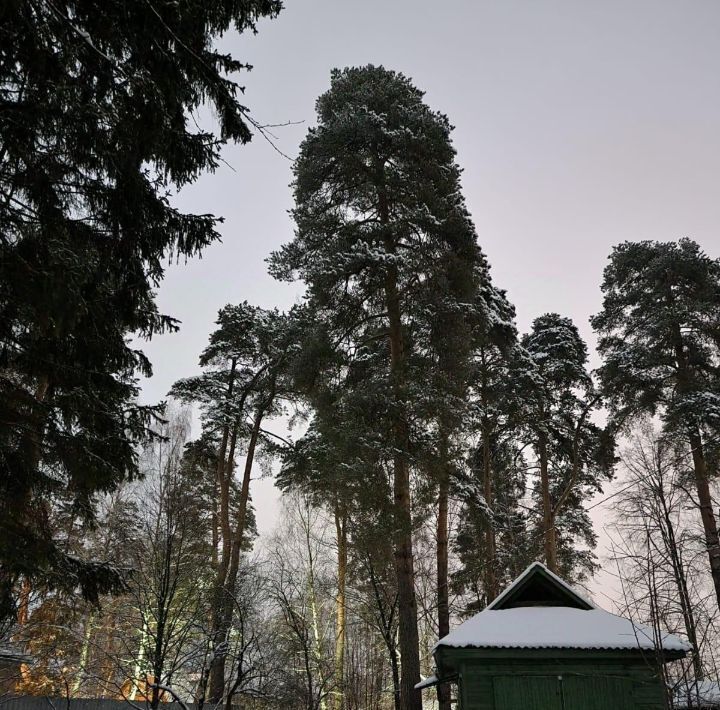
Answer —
579 124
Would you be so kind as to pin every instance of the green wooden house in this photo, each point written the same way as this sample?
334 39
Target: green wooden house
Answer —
543 646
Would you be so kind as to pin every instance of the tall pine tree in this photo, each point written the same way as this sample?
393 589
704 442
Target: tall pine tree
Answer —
243 384
380 222
660 339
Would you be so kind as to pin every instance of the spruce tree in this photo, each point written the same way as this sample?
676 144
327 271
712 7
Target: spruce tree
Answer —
660 339
96 131
381 222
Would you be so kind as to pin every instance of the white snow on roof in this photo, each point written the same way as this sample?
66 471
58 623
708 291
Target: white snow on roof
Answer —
554 627
427 682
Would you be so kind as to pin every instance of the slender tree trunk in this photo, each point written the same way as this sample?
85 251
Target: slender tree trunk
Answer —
443 611
225 601
654 614
340 606
397 690
490 547
681 583
215 523
404 563
202 686
241 524
111 667
317 645
162 601
491 590
223 475
712 541
139 659
23 611
84 653
386 619
549 532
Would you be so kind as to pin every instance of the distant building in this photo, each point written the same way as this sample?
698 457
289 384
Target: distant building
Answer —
543 646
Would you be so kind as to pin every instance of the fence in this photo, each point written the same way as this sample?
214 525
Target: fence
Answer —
33 702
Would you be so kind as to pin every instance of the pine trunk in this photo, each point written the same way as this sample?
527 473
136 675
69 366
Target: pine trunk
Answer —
340 604
225 602
702 486
23 612
712 541
490 547
386 622
223 475
404 563
549 533
410 698
443 690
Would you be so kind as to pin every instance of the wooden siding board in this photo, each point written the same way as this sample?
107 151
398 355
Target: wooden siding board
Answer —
628 683
597 693
522 692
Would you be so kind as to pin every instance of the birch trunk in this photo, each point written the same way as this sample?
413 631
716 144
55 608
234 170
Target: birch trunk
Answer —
84 653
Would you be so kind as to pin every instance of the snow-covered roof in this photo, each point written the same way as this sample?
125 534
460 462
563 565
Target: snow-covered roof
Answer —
555 627
427 682
540 610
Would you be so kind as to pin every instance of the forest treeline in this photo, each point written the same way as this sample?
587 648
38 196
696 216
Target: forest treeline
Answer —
426 450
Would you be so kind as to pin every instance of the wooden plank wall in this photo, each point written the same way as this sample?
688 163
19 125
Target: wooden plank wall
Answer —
477 690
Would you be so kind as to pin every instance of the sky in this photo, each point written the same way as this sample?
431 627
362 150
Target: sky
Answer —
579 124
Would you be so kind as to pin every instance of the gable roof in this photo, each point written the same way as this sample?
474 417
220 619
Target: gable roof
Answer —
556 627
538 586
540 610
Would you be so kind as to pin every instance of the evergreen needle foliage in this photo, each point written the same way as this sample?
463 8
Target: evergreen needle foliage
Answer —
660 338
96 130
388 252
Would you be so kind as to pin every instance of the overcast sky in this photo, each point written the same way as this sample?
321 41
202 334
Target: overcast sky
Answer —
579 124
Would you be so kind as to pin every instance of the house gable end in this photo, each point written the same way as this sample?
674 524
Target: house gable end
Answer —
538 586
